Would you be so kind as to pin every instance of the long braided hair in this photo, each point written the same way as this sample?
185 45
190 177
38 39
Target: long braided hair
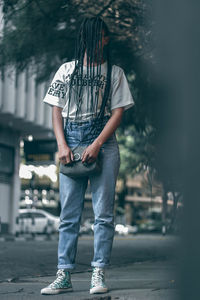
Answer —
89 42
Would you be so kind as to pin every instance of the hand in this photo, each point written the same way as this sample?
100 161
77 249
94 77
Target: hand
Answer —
65 155
90 154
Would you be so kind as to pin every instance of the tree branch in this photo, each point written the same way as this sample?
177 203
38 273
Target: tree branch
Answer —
104 9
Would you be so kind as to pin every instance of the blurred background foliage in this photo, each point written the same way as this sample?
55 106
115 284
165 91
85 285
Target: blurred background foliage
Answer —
42 34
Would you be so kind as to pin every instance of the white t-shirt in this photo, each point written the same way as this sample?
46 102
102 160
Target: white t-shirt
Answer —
58 91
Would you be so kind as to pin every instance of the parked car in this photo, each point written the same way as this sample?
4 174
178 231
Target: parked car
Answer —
88 228
150 226
125 229
36 221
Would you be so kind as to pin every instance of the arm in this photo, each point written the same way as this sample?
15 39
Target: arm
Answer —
91 152
64 152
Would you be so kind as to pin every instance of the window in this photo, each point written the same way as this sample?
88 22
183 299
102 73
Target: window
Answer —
38 215
24 215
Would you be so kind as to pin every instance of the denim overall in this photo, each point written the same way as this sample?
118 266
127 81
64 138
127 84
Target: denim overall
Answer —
72 192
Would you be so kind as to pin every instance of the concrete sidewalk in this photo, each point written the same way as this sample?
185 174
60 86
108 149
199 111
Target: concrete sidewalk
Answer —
149 280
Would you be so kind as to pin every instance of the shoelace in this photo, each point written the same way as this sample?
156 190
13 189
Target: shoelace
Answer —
97 277
58 280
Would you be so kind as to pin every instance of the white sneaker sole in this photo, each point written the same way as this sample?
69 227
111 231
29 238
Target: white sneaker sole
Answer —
47 291
98 290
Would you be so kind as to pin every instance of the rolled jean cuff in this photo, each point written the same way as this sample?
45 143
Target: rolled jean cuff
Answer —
66 267
99 265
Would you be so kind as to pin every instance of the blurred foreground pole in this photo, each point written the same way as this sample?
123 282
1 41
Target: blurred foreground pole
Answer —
178 51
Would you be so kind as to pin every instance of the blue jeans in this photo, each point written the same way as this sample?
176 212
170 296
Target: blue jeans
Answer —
72 192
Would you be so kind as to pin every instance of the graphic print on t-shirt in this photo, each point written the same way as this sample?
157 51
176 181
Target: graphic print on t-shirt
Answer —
58 88
97 80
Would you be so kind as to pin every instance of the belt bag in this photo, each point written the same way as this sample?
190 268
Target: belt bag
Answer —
77 168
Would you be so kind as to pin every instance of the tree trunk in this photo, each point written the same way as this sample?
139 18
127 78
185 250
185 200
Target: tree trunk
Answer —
122 194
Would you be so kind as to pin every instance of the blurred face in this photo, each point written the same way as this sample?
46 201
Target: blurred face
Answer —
105 41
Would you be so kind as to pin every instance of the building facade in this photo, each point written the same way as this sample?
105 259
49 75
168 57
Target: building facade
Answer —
22 113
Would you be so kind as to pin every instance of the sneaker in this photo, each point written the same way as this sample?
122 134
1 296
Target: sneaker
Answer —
98 281
61 284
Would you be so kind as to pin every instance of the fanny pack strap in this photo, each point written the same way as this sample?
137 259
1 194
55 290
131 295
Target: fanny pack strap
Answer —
100 116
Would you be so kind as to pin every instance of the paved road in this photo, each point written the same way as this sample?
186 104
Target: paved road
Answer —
142 267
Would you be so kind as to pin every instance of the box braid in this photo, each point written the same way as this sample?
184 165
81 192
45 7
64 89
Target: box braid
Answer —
89 40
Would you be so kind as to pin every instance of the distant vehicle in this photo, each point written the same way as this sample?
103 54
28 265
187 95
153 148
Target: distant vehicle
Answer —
36 221
125 229
150 226
132 229
87 227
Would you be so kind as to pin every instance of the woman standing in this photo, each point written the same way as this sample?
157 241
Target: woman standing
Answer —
90 95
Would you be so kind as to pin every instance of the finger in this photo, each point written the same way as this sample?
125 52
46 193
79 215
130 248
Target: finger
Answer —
90 161
85 157
84 154
67 159
63 159
71 156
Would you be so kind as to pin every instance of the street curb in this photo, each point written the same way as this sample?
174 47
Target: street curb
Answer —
27 238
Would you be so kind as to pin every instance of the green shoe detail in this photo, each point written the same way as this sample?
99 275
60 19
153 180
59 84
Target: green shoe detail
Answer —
61 284
98 281
62 281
